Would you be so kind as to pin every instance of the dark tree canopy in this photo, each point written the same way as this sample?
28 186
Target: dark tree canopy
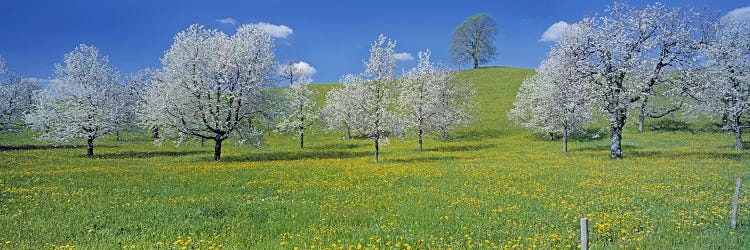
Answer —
473 41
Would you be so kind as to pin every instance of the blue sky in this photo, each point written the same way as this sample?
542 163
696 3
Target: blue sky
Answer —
332 36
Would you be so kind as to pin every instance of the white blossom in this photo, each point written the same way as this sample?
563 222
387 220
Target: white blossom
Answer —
434 99
211 84
299 111
727 70
84 104
16 99
558 99
631 52
365 102
343 105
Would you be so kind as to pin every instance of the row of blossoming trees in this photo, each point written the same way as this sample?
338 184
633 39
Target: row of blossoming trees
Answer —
611 64
214 86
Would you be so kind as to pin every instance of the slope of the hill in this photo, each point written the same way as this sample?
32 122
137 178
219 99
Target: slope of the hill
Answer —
491 186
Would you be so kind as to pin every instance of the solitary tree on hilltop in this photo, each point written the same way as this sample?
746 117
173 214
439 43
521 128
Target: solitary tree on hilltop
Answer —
474 40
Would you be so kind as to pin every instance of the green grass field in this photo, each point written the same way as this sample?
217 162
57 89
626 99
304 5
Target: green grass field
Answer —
492 185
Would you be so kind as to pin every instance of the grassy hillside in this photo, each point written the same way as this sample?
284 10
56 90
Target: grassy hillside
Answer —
491 186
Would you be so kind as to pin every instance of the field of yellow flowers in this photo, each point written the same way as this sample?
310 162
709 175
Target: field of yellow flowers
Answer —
491 185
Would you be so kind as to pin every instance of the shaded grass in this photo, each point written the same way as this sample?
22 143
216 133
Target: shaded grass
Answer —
149 154
458 148
34 147
295 155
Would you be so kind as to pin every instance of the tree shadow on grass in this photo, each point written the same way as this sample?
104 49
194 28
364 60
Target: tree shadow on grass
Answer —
586 135
670 125
421 159
635 152
147 154
477 134
737 155
625 148
336 146
459 148
43 147
603 151
292 155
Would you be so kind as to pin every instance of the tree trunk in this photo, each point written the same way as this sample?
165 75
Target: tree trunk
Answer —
377 149
301 131
117 135
475 58
90 148
565 139
420 139
217 149
551 136
642 115
155 132
348 132
302 139
616 122
202 142
737 132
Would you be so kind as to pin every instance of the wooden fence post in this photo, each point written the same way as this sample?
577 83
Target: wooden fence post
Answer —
736 203
584 233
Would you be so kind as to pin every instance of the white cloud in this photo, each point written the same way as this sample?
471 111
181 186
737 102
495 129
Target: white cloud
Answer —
554 32
403 56
739 14
305 68
277 31
227 20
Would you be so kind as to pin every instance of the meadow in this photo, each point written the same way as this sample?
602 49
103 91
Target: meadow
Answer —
492 185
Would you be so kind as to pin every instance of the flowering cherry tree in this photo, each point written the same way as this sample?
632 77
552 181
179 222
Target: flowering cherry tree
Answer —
299 109
727 69
433 99
371 110
559 97
83 104
343 105
135 86
678 37
16 97
634 51
211 84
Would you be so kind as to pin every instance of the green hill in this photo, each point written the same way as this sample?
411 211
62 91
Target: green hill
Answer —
492 185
